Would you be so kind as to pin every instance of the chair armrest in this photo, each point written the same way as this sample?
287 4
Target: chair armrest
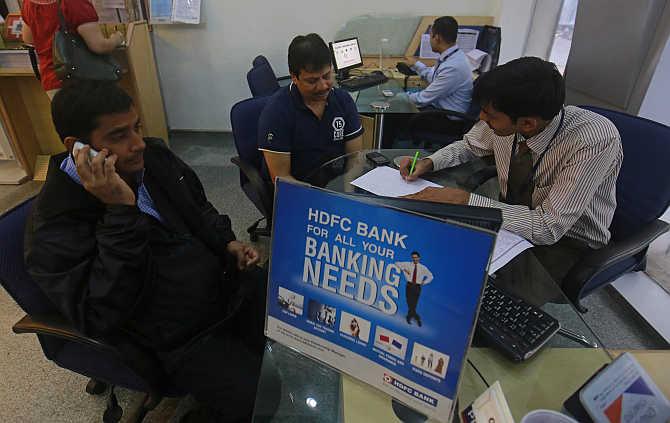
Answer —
611 254
55 325
259 184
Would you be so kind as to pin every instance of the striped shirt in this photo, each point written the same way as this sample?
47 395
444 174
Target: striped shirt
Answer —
144 201
574 185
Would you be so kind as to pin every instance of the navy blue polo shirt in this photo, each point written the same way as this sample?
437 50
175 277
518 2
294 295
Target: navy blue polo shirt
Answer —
287 125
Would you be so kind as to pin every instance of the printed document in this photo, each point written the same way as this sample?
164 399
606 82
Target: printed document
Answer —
508 246
387 182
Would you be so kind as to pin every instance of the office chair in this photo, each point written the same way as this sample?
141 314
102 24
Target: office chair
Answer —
643 195
244 119
436 128
262 79
114 362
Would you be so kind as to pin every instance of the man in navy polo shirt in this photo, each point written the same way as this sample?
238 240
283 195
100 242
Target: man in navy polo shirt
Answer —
308 122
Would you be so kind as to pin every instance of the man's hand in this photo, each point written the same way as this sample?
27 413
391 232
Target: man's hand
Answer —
422 167
246 256
410 60
442 195
99 177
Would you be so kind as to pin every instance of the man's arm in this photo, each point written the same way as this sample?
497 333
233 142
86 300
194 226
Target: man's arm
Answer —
476 143
353 145
428 277
95 274
420 68
569 196
279 164
439 87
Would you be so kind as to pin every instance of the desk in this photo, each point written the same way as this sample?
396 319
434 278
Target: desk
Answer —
545 381
398 104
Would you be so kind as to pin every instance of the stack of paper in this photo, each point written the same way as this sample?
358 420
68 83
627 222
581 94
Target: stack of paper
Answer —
476 58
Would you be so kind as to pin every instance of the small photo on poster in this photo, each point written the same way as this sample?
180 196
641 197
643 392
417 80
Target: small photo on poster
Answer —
390 341
430 360
321 313
289 300
355 326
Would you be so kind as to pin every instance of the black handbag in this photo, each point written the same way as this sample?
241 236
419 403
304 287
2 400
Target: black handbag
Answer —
73 59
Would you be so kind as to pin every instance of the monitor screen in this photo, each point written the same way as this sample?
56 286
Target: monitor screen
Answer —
346 54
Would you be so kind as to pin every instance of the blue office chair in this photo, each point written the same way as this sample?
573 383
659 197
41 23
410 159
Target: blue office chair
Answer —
643 195
108 362
244 119
262 79
436 128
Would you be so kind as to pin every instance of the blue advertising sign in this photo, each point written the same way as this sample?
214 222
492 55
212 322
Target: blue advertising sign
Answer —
387 296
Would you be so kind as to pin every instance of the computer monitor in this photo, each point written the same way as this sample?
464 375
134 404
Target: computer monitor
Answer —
346 55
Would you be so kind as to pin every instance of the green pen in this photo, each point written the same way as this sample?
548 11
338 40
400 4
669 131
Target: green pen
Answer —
416 156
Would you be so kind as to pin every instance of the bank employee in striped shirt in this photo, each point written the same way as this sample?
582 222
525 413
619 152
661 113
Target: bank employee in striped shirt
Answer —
557 165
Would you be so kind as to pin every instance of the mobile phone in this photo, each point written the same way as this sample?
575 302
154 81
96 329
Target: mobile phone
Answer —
78 145
377 159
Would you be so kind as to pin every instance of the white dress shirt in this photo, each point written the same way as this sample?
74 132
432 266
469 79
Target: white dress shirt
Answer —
423 275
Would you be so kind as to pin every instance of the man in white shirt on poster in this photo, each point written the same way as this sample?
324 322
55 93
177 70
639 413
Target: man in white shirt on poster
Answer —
416 275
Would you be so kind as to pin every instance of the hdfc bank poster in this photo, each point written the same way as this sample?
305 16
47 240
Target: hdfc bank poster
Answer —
387 296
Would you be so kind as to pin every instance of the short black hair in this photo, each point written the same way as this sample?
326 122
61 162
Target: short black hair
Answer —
308 52
446 27
528 86
415 253
75 109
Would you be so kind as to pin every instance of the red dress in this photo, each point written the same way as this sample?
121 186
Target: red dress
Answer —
43 22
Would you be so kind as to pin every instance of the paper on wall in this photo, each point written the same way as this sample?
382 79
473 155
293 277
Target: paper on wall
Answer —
186 11
426 51
467 39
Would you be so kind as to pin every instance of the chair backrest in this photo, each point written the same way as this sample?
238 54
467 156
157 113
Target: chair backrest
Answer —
261 78
13 275
643 187
244 121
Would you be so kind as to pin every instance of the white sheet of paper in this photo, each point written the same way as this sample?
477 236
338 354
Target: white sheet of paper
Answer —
186 11
426 51
467 39
476 57
508 246
387 181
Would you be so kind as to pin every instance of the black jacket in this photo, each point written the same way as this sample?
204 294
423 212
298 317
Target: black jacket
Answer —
114 269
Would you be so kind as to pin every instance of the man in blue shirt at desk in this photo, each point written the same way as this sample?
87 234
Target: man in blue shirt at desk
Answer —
450 80
308 122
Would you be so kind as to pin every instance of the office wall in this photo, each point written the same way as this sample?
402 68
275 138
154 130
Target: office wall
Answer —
203 68
655 104
514 17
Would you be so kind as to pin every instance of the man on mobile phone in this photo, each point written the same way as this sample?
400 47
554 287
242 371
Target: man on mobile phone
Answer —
308 122
127 245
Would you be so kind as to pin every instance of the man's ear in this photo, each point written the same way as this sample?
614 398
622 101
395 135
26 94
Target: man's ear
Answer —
69 143
527 124
294 77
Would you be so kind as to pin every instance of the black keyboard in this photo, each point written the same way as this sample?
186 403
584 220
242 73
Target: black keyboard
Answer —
513 326
358 83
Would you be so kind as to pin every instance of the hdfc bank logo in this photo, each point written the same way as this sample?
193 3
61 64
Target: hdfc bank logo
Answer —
409 390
